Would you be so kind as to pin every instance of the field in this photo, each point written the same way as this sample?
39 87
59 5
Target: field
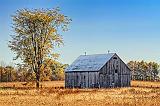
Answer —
53 94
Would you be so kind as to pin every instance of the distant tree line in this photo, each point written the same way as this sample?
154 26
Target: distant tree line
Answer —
21 73
146 71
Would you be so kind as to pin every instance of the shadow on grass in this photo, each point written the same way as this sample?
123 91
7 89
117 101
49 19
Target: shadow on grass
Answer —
5 88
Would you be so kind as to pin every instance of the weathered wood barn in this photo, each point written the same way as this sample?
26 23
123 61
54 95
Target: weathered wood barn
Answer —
97 71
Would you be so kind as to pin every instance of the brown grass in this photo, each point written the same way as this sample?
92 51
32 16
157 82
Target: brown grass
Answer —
52 94
31 84
146 84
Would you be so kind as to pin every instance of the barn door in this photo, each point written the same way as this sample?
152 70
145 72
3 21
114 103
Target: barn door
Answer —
101 80
116 78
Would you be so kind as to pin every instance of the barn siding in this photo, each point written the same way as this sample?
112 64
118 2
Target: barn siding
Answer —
109 77
81 79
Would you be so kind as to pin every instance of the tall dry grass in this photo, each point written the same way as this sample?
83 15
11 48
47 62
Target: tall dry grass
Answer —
51 95
147 84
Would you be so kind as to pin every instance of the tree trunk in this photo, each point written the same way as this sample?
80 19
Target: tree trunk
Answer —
37 82
1 75
37 79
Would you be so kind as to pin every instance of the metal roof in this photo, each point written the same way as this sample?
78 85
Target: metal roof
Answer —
89 62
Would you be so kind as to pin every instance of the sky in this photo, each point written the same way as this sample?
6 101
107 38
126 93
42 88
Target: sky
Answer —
130 28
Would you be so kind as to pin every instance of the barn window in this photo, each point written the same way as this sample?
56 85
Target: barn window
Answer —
114 57
77 77
113 66
116 66
116 71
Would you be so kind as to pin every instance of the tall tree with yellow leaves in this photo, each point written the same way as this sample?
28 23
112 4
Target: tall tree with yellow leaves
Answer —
36 35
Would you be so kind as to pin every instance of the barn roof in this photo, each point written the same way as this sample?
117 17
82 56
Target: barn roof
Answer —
89 62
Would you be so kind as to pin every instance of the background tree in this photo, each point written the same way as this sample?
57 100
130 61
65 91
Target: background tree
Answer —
58 71
144 70
23 74
36 35
9 73
2 68
55 68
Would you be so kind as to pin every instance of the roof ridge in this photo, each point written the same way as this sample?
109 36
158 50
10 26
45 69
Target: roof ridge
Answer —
97 54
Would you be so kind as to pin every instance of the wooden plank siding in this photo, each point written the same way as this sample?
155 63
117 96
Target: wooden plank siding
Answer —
82 79
114 73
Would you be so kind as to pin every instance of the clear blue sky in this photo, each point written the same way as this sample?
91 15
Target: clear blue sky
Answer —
131 28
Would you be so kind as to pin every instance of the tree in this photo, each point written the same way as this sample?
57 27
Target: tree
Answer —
144 70
24 74
55 69
58 71
1 73
36 35
2 69
155 69
9 73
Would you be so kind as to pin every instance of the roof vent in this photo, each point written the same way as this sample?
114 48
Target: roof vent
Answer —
85 53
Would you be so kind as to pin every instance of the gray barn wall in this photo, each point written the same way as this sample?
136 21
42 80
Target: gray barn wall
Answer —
109 77
81 79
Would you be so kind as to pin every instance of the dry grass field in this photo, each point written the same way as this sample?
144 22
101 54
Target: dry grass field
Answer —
53 94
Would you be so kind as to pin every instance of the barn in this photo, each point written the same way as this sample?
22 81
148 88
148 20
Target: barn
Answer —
97 71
